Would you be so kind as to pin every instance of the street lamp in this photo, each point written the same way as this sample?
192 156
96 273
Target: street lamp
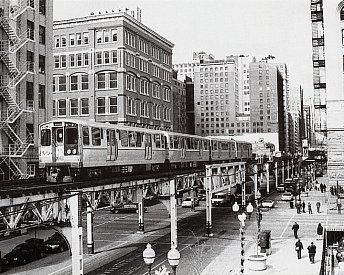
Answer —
173 257
149 257
249 210
242 219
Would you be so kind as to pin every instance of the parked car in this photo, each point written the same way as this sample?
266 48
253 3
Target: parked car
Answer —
187 202
268 203
31 250
130 207
280 188
287 196
151 200
222 199
56 243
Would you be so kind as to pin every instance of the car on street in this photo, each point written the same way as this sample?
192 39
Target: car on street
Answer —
187 202
130 207
56 243
280 188
222 199
287 196
267 203
31 250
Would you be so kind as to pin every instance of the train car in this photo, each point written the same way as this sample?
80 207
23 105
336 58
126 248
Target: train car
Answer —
187 150
72 149
75 148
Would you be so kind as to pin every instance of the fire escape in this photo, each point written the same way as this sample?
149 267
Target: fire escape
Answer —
319 76
16 71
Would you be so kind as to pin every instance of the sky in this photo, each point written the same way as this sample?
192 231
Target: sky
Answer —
258 28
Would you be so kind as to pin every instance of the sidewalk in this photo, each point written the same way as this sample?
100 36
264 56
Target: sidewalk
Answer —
283 259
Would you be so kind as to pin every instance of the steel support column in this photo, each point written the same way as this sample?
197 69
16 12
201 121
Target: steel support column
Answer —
208 180
267 174
140 200
90 239
77 251
173 213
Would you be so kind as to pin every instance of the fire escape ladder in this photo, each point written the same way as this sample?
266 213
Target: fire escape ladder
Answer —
10 132
22 6
12 35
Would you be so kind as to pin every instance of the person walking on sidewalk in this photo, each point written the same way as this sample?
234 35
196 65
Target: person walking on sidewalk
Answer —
298 248
295 228
318 206
303 207
312 249
339 206
319 231
310 208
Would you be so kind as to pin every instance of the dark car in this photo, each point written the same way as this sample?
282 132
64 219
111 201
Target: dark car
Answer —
31 250
55 244
126 208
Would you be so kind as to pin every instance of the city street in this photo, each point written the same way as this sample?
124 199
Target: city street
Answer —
119 248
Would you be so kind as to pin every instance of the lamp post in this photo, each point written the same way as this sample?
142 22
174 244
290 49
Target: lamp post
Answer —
242 219
258 216
149 257
173 257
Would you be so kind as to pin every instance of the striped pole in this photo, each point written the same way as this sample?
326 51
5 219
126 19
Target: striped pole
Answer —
242 243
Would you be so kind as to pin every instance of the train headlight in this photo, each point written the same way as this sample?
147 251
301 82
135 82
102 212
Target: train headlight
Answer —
74 151
68 151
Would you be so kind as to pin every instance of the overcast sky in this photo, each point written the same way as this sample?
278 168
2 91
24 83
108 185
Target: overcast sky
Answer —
281 28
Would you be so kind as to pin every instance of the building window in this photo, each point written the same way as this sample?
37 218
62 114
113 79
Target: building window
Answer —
99 36
106 36
101 81
63 61
113 80
106 57
72 40
29 90
84 82
41 35
85 38
101 105
79 59
41 96
85 106
73 82
114 35
42 7
30 30
57 41
342 14
54 107
114 56
78 39
56 62
71 60
85 59
74 110
113 105
62 107
41 64
62 83
99 58
63 41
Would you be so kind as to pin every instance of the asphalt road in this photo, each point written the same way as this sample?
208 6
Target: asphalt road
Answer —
119 248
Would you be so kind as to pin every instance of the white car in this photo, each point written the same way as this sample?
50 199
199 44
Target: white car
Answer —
287 197
187 202
280 188
268 203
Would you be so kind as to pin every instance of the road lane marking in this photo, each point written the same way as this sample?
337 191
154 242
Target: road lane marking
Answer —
287 225
116 219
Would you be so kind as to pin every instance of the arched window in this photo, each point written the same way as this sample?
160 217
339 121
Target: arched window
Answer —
342 14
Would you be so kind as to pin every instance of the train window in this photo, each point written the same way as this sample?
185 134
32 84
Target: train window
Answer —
59 135
45 137
157 141
162 141
132 139
171 142
85 136
96 136
139 139
71 136
176 142
123 137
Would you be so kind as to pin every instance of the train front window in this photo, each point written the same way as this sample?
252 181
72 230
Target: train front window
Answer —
71 136
45 137
59 135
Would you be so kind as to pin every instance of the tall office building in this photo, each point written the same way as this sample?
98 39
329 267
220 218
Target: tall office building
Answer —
112 68
267 112
179 120
216 97
319 71
25 81
328 38
187 69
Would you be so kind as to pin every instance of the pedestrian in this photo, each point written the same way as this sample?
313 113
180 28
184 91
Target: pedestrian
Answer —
312 249
316 186
324 187
319 231
295 228
192 205
303 207
339 206
321 188
318 206
310 208
298 248
298 207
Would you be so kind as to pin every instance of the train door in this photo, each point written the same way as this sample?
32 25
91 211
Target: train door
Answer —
112 145
200 148
58 144
148 146
183 147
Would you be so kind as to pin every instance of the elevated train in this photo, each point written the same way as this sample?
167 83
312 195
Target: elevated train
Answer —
72 149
